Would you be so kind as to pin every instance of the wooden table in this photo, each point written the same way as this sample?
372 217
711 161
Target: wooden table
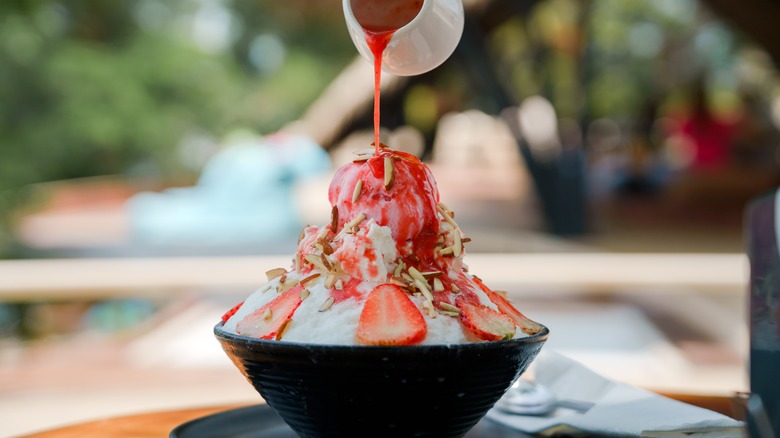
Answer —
159 424
151 425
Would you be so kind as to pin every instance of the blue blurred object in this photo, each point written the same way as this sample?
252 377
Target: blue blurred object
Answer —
244 196
117 315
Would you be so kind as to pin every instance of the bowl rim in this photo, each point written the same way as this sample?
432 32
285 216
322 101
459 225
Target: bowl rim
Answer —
234 338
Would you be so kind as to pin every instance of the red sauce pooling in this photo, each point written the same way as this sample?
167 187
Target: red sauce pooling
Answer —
348 291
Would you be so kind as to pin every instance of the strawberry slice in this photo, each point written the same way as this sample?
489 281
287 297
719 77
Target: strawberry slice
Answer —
525 324
484 323
269 321
389 317
231 312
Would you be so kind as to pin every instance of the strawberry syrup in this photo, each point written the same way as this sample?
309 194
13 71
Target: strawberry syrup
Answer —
377 41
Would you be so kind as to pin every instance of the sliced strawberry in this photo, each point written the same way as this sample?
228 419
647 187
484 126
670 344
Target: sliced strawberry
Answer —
389 317
484 323
231 312
269 321
525 324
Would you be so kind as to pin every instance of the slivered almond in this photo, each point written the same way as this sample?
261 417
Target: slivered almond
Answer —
330 281
428 306
503 293
402 284
448 313
465 240
336 267
325 262
301 236
356 192
455 288
310 278
322 234
446 215
315 260
286 285
339 285
274 273
351 224
389 176
406 280
297 263
423 287
327 249
447 251
327 304
438 286
268 314
416 274
334 218
431 274
406 276
397 271
304 293
457 246
265 288
355 222
448 307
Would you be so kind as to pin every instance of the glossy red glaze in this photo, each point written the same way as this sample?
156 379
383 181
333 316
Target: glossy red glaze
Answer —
348 291
408 207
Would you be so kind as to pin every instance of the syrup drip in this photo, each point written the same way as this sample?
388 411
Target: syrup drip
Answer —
377 41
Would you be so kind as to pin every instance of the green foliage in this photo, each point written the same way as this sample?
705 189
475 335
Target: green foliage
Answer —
95 88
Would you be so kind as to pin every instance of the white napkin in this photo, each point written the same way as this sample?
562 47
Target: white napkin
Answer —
619 409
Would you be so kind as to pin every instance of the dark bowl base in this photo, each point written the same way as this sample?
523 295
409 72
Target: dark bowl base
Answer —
344 391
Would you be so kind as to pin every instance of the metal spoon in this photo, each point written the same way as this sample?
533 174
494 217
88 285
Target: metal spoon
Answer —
527 397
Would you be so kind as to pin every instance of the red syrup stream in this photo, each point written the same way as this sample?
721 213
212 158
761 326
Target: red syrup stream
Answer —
377 41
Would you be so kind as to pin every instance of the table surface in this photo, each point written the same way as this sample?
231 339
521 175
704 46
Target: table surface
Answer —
159 424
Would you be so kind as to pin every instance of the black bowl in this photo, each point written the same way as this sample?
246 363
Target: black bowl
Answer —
345 391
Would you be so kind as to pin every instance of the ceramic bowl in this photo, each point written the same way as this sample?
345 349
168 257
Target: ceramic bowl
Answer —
343 391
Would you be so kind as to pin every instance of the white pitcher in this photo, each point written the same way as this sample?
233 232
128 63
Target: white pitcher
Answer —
422 44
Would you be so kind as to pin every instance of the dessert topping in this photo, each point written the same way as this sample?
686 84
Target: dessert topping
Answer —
268 321
327 304
389 317
231 312
276 272
525 324
484 323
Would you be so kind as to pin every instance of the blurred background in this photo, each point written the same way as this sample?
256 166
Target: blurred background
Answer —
157 157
